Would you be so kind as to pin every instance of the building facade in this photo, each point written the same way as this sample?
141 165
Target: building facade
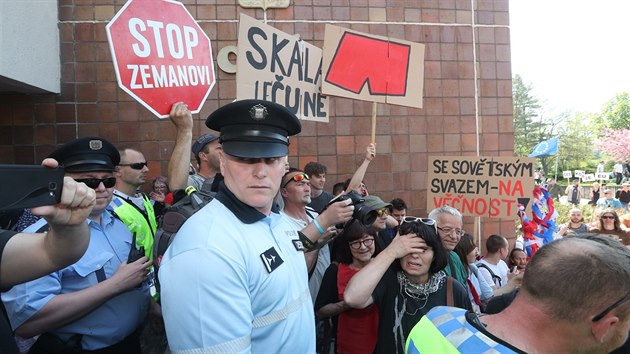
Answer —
467 90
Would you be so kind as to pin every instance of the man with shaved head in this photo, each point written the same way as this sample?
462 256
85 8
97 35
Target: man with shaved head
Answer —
575 298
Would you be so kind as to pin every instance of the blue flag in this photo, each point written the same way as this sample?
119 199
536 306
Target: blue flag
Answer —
544 148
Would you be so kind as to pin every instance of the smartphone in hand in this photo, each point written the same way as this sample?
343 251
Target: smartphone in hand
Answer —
28 186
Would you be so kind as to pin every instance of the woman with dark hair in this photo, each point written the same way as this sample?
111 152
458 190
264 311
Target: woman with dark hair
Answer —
609 224
405 281
479 292
355 330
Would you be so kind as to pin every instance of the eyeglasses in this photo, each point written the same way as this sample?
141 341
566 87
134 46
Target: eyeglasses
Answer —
449 231
93 183
382 212
428 222
355 245
607 217
297 178
135 165
611 307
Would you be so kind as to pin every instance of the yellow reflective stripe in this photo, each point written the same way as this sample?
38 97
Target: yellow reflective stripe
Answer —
427 339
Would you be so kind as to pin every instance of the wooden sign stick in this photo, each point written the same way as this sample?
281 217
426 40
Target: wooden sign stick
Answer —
477 232
374 122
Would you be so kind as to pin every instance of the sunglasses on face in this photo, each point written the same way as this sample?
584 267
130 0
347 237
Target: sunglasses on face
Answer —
608 217
93 183
426 221
297 178
355 245
382 212
135 165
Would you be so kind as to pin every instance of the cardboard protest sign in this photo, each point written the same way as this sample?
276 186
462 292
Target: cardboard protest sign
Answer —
588 177
278 67
567 174
481 186
579 173
372 68
602 175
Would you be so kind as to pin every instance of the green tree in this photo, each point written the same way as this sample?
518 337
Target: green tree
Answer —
531 123
526 109
615 113
545 129
576 131
577 137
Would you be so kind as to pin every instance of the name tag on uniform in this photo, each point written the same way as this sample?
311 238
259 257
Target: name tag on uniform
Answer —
299 246
271 259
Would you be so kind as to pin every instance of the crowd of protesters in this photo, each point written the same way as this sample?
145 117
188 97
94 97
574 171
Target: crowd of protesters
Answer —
276 263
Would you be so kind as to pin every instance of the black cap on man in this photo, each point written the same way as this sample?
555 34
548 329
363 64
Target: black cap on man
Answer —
87 154
254 128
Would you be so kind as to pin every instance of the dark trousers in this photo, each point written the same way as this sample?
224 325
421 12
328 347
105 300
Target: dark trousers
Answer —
129 345
48 343
618 177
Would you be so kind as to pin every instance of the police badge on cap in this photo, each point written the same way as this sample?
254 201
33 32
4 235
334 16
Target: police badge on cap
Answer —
254 128
87 154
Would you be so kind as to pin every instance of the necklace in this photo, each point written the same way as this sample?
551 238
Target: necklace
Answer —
419 292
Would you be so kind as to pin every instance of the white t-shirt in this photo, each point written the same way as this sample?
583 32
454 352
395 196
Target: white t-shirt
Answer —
323 258
500 270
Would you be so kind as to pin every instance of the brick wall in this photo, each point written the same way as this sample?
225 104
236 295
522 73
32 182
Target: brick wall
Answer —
456 114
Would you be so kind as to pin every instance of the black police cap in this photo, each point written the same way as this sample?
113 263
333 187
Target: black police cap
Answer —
87 154
254 128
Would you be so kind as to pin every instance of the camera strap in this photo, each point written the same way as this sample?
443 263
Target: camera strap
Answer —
310 246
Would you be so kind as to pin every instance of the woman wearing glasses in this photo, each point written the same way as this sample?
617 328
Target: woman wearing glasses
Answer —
609 224
355 330
405 281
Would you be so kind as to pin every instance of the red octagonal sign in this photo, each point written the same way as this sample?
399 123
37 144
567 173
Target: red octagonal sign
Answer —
161 55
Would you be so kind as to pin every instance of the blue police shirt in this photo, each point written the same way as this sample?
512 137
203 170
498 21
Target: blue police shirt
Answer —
235 280
107 324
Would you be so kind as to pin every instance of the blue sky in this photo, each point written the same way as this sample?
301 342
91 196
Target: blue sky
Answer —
575 53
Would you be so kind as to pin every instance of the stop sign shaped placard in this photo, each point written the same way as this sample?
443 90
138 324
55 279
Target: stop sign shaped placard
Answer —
161 55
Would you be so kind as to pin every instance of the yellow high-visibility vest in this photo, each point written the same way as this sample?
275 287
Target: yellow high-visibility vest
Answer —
140 222
425 338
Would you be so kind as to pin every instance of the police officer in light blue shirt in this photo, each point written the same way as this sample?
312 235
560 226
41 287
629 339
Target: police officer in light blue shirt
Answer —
234 279
98 302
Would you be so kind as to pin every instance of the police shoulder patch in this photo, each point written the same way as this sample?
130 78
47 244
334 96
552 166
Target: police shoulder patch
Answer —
271 259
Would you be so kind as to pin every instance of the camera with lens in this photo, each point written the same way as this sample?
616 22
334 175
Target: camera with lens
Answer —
363 213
